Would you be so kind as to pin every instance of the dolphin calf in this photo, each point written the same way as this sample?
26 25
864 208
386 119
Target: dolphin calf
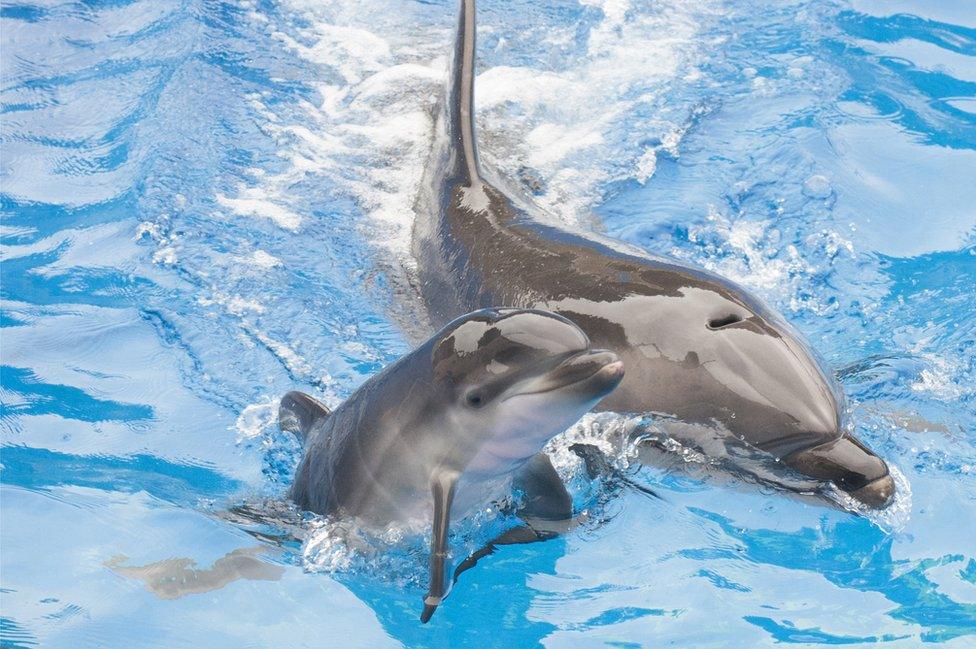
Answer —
450 426
698 348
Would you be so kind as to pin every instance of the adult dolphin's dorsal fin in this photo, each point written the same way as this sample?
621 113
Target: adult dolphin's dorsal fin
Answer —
298 413
459 99
442 486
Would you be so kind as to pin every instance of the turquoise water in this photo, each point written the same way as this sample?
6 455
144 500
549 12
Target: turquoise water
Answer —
206 204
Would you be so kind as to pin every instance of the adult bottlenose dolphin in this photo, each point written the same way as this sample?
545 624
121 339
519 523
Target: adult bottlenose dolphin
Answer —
449 427
698 348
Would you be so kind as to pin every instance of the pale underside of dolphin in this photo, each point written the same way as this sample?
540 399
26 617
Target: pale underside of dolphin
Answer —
697 348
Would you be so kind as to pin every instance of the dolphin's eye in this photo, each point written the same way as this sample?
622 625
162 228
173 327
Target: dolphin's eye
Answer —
475 399
724 321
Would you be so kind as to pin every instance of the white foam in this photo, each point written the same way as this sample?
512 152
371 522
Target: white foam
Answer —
333 546
232 304
165 256
149 229
942 379
253 203
572 126
397 554
257 420
324 549
262 259
646 166
360 51
893 518
610 432
297 365
737 249
380 79
750 253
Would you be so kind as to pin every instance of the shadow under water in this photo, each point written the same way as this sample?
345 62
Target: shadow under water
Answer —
178 577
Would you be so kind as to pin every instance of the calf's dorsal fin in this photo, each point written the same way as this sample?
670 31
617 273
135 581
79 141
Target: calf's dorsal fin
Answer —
298 413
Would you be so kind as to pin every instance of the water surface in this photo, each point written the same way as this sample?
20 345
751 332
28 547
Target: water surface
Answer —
207 203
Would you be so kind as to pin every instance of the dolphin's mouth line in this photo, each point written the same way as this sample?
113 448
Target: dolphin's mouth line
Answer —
576 369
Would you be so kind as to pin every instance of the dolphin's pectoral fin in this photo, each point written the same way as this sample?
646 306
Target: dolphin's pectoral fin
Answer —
547 509
599 466
298 413
594 460
442 487
514 536
544 494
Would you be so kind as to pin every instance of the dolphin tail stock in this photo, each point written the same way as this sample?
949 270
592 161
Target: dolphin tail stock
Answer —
298 413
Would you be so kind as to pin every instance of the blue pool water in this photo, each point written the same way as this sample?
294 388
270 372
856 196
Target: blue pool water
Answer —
208 203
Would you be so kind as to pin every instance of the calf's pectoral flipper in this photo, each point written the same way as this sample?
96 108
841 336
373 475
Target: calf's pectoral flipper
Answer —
299 412
598 465
442 486
546 509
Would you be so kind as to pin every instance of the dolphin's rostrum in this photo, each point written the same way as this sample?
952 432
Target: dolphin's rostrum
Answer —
698 348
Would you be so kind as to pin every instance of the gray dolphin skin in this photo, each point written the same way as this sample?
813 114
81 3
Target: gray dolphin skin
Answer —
698 348
449 427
